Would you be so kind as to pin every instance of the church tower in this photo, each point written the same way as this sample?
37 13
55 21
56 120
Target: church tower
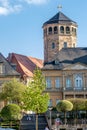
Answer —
59 32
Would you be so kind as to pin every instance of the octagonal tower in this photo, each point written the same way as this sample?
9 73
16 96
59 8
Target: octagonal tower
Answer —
59 32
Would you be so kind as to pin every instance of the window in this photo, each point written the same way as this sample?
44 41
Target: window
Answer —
67 30
57 82
50 103
78 81
73 44
53 45
2 69
65 44
61 29
45 32
68 82
48 82
74 31
55 30
50 30
57 62
57 101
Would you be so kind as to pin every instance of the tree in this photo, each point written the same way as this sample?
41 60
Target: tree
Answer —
12 91
64 106
11 112
35 98
78 105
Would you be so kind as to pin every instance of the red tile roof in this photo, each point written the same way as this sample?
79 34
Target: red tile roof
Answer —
25 64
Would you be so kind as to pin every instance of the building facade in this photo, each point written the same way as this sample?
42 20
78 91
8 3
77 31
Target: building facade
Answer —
7 73
65 65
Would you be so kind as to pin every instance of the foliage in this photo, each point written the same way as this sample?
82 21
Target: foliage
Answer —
64 106
11 112
12 91
78 104
35 98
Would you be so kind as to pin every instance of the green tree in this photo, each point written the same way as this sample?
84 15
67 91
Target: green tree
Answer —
11 112
12 91
35 98
78 105
64 106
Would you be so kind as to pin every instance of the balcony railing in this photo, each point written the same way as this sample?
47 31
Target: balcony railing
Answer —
67 89
75 89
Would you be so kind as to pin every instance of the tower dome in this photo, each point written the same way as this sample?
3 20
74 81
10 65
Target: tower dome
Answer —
59 32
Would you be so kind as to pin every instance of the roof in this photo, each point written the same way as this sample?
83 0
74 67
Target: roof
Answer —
68 56
59 18
24 64
8 71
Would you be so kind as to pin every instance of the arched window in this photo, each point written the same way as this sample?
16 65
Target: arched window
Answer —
75 31
55 30
45 32
67 30
65 44
53 45
61 29
72 29
78 81
50 30
73 44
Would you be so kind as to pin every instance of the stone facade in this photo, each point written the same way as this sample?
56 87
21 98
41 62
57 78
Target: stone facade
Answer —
55 36
65 66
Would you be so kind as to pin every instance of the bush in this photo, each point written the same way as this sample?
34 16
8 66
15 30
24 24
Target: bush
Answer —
11 112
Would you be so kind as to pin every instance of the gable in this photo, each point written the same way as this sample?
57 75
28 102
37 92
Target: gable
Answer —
76 67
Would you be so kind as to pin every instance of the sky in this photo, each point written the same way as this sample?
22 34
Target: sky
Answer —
21 24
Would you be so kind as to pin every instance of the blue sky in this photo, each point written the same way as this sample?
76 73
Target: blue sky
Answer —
21 23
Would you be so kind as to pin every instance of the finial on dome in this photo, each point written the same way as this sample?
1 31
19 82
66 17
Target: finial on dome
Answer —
59 7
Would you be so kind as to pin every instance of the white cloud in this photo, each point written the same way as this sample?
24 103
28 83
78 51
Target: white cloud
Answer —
6 7
36 1
13 6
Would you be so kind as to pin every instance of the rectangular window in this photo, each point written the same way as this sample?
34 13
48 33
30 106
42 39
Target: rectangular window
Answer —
48 82
50 103
2 69
57 101
57 82
68 82
65 44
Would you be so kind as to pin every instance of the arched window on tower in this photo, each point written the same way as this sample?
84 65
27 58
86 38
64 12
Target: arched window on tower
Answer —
61 29
53 45
50 30
45 32
55 30
67 30
73 44
75 31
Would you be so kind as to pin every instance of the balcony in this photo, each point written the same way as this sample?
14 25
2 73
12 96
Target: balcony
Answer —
75 89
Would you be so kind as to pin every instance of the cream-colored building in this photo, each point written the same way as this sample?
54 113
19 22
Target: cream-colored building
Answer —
65 65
